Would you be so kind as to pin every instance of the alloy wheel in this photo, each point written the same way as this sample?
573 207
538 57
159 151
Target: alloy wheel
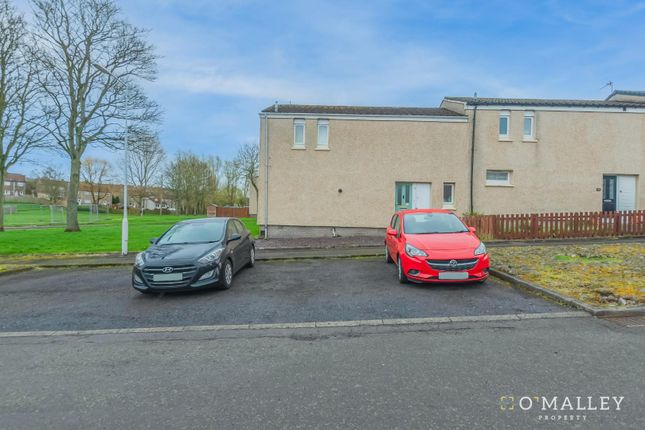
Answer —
228 274
402 278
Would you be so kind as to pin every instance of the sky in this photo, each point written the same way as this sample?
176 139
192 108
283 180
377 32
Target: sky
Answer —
222 61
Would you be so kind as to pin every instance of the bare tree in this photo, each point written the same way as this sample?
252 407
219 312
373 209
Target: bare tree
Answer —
86 106
248 160
52 183
146 162
95 173
232 175
18 94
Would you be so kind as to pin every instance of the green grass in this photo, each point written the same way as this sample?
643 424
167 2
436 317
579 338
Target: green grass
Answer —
593 259
103 237
34 214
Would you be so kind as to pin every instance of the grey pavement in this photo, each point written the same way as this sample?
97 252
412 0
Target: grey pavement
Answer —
48 261
448 376
271 292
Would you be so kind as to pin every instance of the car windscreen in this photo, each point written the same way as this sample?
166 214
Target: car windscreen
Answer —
197 232
428 223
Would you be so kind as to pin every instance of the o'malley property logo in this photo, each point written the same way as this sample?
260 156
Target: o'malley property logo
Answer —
561 408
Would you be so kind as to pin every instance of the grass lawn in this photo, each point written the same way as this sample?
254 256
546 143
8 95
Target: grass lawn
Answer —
104 237
600 275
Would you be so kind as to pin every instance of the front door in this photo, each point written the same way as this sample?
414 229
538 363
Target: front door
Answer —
609 193
412 195
403 196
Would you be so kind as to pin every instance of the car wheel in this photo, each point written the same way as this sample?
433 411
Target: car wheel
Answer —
251 257
388 259
402 278
227 276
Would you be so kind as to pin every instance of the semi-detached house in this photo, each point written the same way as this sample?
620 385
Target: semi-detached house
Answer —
345 169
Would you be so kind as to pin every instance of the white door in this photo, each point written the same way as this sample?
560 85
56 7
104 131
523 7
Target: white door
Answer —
420 196
626 193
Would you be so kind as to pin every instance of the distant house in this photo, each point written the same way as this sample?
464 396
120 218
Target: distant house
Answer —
14 185
87 193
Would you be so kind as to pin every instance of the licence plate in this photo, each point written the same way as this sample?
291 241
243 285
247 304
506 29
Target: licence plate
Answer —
167 277
453 275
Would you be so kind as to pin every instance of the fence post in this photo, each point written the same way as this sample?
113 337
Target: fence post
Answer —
617 223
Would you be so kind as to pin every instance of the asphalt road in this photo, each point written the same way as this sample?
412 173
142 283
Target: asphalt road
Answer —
272 292
448 376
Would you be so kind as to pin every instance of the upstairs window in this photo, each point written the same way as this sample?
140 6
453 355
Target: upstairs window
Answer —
323 134
299 133
529 125
498 177
504 124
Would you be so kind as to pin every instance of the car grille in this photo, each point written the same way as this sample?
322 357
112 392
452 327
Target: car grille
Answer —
188 273
444 265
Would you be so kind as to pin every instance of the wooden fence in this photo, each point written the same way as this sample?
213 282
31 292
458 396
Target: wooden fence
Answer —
227 211
564 225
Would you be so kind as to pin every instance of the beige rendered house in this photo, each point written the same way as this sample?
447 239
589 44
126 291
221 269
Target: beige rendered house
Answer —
328 170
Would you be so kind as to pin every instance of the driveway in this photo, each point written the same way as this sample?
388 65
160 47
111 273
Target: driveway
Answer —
272 292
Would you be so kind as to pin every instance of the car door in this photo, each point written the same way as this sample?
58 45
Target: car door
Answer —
244 248
392 240
233 245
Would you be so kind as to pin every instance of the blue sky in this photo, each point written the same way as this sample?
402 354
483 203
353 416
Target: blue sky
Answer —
223 61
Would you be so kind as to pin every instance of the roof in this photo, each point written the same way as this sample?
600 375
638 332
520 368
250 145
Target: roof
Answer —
359 110
15 177
626 93
484 101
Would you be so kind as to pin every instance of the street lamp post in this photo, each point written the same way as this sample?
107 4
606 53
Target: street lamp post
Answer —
124 224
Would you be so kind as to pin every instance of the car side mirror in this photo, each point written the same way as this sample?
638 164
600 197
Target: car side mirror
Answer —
391 232
472 229
234 237
154 240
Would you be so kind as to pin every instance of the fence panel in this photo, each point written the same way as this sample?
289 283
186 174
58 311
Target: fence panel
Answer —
563 225
228 211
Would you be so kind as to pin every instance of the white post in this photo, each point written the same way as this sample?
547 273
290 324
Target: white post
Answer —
124 226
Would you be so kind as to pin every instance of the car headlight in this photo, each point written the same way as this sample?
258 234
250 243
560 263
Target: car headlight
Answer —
211 257
414 252
481 249
138 260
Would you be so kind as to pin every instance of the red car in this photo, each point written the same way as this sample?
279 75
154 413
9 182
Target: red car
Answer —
434 245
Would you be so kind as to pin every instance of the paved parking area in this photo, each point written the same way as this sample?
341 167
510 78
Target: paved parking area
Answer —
272 292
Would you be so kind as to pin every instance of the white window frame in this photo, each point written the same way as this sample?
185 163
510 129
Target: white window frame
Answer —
499 182
448 204
322 145
297 123
504 114
528 115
